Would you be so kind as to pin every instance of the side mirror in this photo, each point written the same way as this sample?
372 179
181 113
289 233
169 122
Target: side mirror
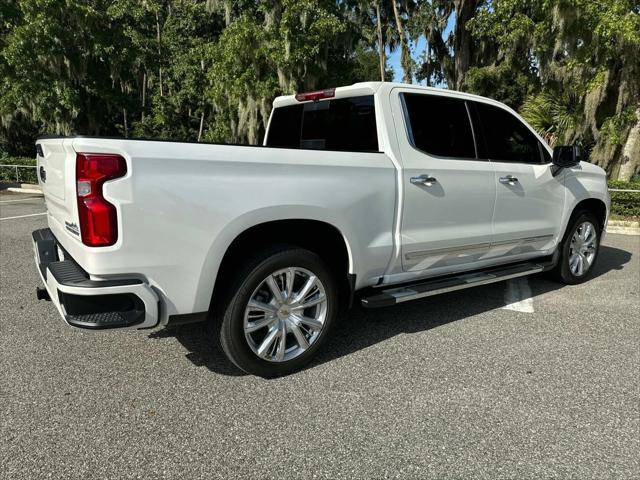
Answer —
567 156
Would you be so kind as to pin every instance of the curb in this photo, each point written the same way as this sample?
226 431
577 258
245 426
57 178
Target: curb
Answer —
623 227
21 188
24 190
624 231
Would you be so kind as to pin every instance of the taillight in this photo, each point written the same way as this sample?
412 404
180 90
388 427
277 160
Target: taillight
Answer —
98 218
317 95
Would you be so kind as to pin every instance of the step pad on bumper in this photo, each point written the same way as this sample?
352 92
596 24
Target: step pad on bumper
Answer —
69 273
106 319
92 304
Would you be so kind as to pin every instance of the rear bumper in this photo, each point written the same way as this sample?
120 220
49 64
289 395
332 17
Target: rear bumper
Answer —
91 304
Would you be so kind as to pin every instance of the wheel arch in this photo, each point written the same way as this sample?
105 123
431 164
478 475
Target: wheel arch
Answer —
595 206
314 234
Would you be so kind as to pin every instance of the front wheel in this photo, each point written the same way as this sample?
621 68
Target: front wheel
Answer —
278 311
579 249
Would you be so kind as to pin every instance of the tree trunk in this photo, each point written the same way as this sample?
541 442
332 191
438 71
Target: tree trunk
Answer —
463 40
437 47
405 56
201 125
126 128
630 161
227 12
159 40
203 106
144 93
383 60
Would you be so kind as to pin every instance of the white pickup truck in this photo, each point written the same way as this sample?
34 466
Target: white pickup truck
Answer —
379 192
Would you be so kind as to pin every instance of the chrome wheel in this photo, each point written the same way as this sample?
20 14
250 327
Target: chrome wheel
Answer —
582 250
285 314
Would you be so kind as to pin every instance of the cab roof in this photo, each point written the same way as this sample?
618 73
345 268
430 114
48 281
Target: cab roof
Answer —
371 88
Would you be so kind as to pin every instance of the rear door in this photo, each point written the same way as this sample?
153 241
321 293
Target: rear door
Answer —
449 192
529 200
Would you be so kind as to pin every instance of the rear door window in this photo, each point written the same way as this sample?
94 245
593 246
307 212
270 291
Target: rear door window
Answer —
439 125
347 124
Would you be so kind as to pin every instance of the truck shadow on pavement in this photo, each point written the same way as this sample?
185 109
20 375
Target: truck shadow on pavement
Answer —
361 328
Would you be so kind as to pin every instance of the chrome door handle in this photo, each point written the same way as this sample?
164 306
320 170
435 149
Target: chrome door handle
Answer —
510 179
424 180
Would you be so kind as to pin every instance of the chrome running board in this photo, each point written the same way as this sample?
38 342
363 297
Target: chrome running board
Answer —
436 286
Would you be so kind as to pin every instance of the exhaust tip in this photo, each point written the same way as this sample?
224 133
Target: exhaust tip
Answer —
42 294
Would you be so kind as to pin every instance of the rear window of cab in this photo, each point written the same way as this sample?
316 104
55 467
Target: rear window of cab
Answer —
346 124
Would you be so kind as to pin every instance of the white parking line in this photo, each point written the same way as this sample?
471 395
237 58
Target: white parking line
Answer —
517 297
24 216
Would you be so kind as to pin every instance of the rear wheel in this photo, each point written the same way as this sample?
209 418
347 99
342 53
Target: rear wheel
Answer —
579 249
278 312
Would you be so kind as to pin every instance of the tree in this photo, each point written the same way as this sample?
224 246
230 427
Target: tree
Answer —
577 67
209 69
402 10
446 60
381 42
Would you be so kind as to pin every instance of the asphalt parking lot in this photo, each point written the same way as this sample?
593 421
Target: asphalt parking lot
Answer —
455 386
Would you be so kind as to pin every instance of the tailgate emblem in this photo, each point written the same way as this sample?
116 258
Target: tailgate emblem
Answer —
43 174
72 227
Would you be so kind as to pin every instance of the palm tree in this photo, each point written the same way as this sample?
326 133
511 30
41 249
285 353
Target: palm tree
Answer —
381 42
404 8
553 115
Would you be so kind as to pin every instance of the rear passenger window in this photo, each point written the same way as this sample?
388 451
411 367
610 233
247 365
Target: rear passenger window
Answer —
506 137
439 125
347 124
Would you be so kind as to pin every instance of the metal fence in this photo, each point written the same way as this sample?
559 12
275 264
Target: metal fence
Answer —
27 176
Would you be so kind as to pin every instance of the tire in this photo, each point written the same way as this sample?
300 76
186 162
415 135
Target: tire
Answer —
251 336
568 269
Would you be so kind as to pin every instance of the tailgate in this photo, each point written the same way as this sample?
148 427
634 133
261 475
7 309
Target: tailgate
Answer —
56 175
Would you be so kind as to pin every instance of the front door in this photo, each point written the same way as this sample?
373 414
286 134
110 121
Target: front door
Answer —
529 200
449 193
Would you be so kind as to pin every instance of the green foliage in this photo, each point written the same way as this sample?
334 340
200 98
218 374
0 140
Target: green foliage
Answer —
180 69
209 69
578 63
507 24
625 204
25 175
56 69
632 185
554 116
613 127
501 83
